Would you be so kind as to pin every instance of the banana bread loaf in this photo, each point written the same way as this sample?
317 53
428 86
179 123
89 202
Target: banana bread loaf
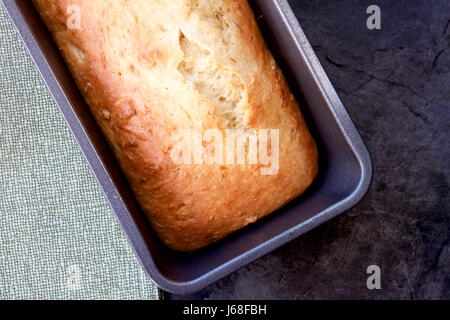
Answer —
194 107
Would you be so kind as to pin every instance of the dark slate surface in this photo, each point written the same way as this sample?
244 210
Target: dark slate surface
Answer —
395 84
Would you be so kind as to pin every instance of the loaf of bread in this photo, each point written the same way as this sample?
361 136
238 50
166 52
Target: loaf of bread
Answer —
180 88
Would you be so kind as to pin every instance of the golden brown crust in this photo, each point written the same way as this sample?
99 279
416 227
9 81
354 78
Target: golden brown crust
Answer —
136 70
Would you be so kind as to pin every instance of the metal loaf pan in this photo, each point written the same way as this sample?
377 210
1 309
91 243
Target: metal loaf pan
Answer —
345 165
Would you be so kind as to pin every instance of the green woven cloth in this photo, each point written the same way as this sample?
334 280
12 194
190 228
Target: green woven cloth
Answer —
58 236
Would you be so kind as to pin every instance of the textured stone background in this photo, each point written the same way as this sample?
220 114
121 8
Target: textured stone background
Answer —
395 84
